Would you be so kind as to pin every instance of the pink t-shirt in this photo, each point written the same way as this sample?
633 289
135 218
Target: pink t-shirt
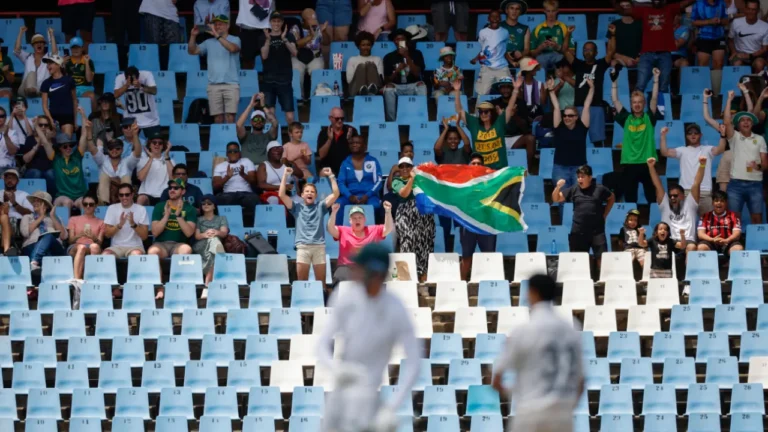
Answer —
349 243
79 223
293 152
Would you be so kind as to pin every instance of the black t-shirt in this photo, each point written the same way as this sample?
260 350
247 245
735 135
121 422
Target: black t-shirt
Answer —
339 149
518 124
596 72
40 161
571 144
391 61
661 253
630 237
587 208
59 94
453 157
278 66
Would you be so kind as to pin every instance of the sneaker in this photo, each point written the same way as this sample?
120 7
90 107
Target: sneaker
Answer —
11 252
34 266
363 91
373 89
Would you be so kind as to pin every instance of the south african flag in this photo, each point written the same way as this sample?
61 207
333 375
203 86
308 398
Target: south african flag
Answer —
480 199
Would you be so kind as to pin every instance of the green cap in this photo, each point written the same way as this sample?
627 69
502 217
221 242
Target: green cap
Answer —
356 209
155 135
740 115
221 18
178 182
373 257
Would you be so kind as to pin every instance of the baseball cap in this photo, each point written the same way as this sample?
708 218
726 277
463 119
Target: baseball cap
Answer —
155 135
37 38
273 144
63 138
276 15
258 113
75 42
108 96
486 106
208 197
221 18
356 209
405 160
178 182
693 126
19 98
633 212
11 171
373 257
127 121
53 58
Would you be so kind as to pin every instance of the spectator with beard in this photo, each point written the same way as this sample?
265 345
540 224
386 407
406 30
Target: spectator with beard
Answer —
193 195
235 179
254 141
116 168
14 205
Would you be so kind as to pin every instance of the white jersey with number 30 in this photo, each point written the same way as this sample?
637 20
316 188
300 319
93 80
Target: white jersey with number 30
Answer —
545 354
138 103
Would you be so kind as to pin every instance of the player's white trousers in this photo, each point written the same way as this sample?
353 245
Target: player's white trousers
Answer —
351 409
549 420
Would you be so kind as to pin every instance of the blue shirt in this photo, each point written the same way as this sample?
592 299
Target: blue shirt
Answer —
207 9
702 10
310 226
369 185
223 66
682 32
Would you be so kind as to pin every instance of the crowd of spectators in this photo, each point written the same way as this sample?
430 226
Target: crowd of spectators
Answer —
149 194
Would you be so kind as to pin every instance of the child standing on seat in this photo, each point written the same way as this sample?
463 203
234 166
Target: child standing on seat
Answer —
632 237
662 250
297 151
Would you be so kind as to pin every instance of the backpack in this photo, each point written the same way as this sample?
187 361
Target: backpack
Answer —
199 113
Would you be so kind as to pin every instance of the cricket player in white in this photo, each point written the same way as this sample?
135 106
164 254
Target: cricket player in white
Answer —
369 322
545 354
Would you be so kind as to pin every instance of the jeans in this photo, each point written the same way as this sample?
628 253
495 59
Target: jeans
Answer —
549 59
747 192
48 245
596 123
565 172
633 175
661 60
391 94
50 180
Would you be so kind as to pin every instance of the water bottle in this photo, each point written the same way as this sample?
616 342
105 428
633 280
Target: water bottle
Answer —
336 88
553 248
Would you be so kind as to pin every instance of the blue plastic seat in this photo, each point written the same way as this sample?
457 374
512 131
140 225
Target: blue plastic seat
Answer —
307 295
114 375
180 61
25 324
636 372
11 28
265 296
180 297
705 293
702 265
261 349
601 160
68 323
368 109
694 79
679 372
171 424
249 83
138 296
536 216
596 373
659 399
166 90
430 51
329 77
40 349
224 294
464 372
661 423
111 324
308 401
28 376
84 350
690 110
42 425
272 268
320 108
218 349
747 292
197 323
144 56
165 110
43 404
757 239
199 375
443 423
176 402
412 109
747 398
265 402
43 24
493 295
8 406
187 135
234 214
446 105
722 371
616 400
154 323
53 297
34 109
424 376
753 345
747 422
381 137
731 77
101 269
144 269
744 265
616 423
686 319
188 269
13 298
731 319
71 376
221 402
304 424
6 355
623 345
346 49
221 135
173 349
127 424
603 21
132 402
488 346
546 163
270 216
95 297
558 234
439 401
534 187
712 344
422 134
667 344
157 375
129 350
466 51
382 48
482 400
616 217
56 269
242 375
258 424
197 84
242 323
284 322
703 399
205 185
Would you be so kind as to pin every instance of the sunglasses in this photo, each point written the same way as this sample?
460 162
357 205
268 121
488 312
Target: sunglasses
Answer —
43 125
125 195
257 120
484 111
2 115
207 203
338 118
674 196
157 143
66 146
569 115
89 204
127 127
174 188
692 132
180 174
233 151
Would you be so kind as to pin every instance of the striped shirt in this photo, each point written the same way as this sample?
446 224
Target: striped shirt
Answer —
723 225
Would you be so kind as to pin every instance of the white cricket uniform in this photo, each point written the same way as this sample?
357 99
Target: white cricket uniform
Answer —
369 329
545 355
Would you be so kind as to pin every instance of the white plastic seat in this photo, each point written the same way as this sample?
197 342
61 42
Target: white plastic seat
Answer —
487 266
470 322
511 317
528 264
443 267
450 296
578 294
758 371
662 293
620 294
600 320
406 291
286 375
615 266
409 259
573 266
321 317
644 320
422 322
303 348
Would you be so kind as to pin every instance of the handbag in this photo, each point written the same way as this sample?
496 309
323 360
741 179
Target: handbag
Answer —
234 245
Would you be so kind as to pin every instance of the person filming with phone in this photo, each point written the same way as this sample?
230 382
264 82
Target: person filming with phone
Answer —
402 72
139 89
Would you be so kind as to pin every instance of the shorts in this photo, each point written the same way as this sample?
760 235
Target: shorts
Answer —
279 92
447 14
169 247
124 251
337 13
720 249
661 274
585 242
708 46
81 90
741 192
470 241
310 254
251 41
223 98
487 77
705 201
64 119
76 17
637 253
72 246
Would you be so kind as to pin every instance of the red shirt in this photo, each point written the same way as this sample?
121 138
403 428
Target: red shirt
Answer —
658 27
719 225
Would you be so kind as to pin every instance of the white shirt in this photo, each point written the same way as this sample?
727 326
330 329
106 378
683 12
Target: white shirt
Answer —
247 20
686 220
18 133
21 198
689 165
746 150
494 45
545 354
28 59
369 329
748 38
127 236
124 168
358 60
236 183
161 8
157 177
6 160
139 104
274 176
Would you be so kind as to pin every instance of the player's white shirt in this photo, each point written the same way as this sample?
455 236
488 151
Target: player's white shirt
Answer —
139 104
545 354
369 329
